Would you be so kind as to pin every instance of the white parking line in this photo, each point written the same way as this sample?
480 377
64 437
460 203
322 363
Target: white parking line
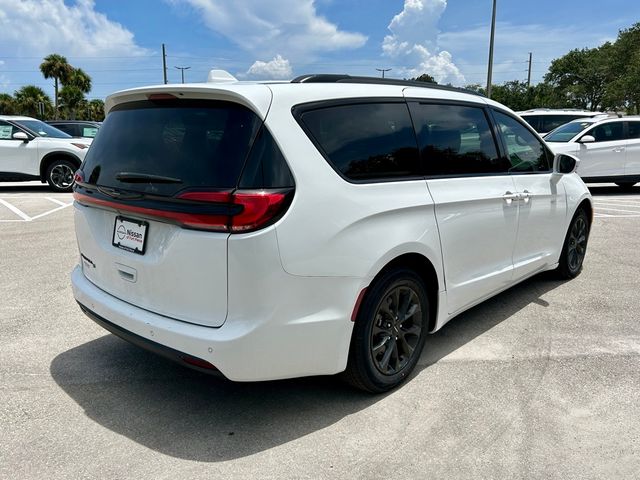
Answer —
16 210
55 200
24 217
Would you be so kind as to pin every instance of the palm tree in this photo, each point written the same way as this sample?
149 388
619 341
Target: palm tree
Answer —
56 66
96 110
28 100
75 86
7 104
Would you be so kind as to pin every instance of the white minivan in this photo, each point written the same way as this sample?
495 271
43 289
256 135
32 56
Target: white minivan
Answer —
318 226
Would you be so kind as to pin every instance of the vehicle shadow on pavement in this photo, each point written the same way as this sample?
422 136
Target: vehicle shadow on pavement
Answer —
189 415
483 317
604 190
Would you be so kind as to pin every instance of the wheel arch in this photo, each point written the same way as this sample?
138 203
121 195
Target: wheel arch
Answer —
586 205
51 157
426 270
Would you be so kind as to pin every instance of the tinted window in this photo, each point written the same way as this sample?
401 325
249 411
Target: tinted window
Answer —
551 122
634 129
202 144
456 140
533 120
366 141
266 167
66 128
525 152
607 132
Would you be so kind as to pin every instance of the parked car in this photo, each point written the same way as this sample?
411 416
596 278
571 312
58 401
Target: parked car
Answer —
544 120
32 150
77 128
608 149
326 225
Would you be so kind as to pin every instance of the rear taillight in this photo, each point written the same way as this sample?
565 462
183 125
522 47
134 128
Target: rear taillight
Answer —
222 211
258 208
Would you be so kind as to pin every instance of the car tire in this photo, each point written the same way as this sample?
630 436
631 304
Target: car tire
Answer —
626 185
575 246
389 332
60 175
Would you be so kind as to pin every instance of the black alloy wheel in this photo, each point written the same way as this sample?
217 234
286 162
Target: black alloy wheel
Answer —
575 246
396 329
390 331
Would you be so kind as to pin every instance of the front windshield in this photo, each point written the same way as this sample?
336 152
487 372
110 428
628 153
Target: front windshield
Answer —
42 129
566 132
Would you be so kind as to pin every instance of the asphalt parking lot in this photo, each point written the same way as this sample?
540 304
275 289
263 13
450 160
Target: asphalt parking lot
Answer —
542 381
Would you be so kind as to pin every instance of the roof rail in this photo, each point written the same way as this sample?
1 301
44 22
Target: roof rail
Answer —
341 78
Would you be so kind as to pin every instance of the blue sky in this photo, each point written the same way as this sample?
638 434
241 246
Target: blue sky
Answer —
118 42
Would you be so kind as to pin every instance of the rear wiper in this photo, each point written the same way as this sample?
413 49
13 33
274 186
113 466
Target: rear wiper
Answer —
132 177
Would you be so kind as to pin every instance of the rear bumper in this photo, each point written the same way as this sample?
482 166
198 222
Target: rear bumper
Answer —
158 349
267 348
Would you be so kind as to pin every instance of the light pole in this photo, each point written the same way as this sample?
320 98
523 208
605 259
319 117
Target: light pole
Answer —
383 70
182 69
493 32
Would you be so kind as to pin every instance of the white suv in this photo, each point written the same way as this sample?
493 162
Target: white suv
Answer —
32 150
544 120
275 230
608 149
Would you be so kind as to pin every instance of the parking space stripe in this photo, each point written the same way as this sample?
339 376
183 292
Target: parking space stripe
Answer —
51 211
55 200
16 210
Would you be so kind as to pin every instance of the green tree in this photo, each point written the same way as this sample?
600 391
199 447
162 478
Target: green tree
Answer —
425 77
624 89
56 66
513 94
28 100
76 85
475 87
582 76
96 109
7 104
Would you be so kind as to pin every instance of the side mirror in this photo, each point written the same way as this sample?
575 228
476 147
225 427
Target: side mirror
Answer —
564 163
587 139
20 136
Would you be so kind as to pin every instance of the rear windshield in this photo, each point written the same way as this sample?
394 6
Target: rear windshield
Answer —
165 147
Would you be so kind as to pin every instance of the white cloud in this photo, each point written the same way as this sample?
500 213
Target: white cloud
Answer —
513 42
414 42
277 69
41 27
266 29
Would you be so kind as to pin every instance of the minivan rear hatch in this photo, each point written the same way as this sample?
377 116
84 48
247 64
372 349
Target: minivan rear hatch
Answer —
154 199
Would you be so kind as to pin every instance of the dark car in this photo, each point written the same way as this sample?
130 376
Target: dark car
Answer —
77 128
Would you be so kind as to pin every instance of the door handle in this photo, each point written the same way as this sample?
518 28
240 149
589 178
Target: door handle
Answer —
525 196
618 149
509 197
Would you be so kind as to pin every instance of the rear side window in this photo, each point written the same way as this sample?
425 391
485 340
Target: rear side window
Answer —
634 129
189 143
534 121
526 153
456 140
607 132
266 167
551 122
372 141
